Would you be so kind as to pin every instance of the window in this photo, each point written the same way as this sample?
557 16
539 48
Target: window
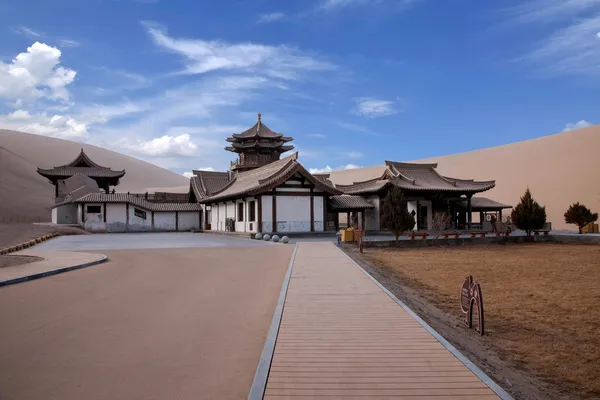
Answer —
139 213
240 213
252 206
94 209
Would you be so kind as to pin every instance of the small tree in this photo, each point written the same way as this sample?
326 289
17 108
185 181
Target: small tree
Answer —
395 216
439 223
580 215
528 215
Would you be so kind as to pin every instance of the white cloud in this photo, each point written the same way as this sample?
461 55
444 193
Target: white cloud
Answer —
202 56
354 154
354 127
270 17
373 108
317 135
60 126
69 43
577 125
571 50
36 74
549 10
190 174
25 31
334 5
329 169
164 146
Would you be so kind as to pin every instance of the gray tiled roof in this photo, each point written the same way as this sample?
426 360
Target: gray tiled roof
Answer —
82 164
425 177
349 202
259 130
137 201
371 186
207 183
267 177
483 203
93 172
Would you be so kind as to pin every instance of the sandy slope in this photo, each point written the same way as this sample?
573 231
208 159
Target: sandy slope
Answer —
27 195
559 169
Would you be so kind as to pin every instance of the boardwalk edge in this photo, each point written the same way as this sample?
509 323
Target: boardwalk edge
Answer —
468 363
257 391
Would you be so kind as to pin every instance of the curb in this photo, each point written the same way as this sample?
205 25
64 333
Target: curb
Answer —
464 360
52 272
28 244
257 391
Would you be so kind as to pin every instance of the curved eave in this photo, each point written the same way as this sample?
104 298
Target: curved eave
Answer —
51 174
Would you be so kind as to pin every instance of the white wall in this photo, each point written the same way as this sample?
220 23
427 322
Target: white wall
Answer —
116 217
293 213
137 223
267 213
164 221
319 223
65 214
93 221
189 220
241 225
372 215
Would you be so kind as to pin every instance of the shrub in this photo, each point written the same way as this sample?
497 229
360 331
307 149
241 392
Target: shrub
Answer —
580 215
395 216
528 215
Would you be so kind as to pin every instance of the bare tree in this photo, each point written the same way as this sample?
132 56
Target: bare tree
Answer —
439 223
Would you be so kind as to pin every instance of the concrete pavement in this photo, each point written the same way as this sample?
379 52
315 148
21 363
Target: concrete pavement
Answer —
148 324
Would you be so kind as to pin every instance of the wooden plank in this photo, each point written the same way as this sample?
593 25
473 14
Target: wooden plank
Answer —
341 336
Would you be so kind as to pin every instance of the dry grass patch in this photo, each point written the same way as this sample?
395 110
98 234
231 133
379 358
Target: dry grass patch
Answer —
542 302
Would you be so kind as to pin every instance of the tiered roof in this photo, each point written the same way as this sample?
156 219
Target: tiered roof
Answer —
416 177
259 137
82 164
263 179
206 183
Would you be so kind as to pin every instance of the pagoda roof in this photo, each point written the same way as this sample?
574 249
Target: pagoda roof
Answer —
416 177
259 131
265 178
83 165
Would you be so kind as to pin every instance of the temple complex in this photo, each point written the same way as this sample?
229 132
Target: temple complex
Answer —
264 193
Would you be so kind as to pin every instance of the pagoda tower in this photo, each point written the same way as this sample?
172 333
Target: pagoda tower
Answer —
257 146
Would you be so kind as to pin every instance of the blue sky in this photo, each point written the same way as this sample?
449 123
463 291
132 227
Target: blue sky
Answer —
353 81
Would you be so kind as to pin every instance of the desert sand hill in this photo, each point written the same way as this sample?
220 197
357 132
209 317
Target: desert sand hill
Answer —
559 169
27 195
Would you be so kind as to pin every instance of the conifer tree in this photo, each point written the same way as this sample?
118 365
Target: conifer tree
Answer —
395 216
528 215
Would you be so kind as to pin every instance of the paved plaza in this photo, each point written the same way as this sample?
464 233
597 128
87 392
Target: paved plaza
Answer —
183 323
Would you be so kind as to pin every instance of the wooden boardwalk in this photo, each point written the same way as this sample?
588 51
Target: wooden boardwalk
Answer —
342 336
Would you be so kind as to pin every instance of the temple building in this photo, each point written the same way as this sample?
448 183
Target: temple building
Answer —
83 197
81 165
264 192
257 146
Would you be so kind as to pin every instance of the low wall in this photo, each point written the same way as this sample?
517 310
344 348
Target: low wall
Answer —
467 241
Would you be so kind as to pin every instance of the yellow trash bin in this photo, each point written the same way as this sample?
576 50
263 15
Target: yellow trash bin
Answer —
348 235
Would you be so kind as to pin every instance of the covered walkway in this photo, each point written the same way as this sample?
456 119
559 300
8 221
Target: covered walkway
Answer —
343 336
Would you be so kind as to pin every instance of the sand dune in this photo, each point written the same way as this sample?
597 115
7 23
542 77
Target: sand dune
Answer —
26 195
559 169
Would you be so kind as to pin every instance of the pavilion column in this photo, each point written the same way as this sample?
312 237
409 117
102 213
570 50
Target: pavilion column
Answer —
362 220
500 216
274 197
417 227
259 214
481 218
312 211
469 212
348 220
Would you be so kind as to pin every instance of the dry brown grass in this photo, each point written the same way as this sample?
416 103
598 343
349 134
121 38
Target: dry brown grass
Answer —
542 302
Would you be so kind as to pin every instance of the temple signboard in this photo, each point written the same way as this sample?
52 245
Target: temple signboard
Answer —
470 296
